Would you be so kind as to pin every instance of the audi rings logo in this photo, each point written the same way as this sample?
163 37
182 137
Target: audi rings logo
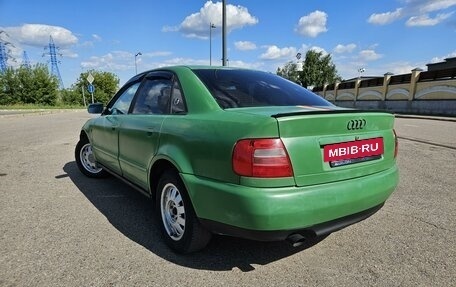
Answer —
356 124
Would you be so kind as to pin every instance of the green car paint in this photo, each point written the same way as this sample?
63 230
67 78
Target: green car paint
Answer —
199 144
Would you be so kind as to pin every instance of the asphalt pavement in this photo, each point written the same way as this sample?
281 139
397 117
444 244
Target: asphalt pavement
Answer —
59 228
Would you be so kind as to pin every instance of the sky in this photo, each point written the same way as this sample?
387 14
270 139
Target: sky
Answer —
392 36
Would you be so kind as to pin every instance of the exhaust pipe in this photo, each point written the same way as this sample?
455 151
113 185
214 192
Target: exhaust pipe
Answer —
296 239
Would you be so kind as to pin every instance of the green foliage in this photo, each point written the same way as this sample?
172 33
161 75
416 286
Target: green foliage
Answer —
318 70
36 86
28 86
71 97
106 84
290 72
9 87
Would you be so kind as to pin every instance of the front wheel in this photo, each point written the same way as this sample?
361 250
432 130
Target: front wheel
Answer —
180 227
86 160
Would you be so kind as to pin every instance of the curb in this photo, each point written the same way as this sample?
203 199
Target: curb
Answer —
435 118
24 113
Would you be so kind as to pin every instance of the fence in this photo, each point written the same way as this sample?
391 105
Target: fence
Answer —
420 92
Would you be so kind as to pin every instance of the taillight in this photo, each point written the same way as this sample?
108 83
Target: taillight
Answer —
261 158
396 147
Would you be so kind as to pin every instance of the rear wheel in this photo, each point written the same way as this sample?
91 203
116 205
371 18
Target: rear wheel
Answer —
85 160
180 227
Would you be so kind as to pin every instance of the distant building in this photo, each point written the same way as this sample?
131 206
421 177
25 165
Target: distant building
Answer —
447 64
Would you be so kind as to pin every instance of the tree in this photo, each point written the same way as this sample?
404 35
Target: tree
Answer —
9 86
318 70
28 86
45 86
290 72
106 84
71 97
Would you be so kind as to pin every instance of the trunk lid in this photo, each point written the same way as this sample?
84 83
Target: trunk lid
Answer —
306 133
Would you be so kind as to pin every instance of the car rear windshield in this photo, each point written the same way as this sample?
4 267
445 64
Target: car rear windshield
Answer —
233 88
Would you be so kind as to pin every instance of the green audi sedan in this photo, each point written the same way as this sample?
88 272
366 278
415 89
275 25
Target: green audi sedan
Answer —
240 152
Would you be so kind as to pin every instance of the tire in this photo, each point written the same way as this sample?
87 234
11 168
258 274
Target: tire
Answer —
180 227
85 160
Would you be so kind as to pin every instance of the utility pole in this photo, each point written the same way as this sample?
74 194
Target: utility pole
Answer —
54 62
211 26
224 33
136 65
5 51
3 57
25 60
53 55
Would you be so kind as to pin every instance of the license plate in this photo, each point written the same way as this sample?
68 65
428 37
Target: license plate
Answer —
354 149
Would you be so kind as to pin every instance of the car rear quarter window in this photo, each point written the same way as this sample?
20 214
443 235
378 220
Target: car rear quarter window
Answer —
237 88
177 100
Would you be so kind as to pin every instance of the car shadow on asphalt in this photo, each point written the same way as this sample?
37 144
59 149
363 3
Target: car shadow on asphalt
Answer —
133 214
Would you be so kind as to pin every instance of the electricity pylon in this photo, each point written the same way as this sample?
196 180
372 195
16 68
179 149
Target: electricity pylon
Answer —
53 55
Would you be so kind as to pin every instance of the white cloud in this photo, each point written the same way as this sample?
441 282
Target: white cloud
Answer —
12 48
96 37
170 29
245 45
399 68
319 50
123 61
344 48
441 59
385 18
313 24
425 20
242 64
433 5
369 55
197 25
417 12
157 54
113 61
38 35
67 53
274 53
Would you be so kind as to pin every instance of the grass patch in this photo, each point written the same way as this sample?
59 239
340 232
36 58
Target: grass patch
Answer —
39 107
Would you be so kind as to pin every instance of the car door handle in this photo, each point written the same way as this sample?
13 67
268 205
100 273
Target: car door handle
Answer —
150 131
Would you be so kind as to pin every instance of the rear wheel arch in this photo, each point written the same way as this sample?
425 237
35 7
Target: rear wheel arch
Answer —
156 171
161 161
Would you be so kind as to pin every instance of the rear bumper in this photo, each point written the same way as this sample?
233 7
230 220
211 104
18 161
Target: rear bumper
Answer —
275 213
278 235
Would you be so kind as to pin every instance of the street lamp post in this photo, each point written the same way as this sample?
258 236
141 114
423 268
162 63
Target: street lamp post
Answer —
224 33
211 26
136 66
360 71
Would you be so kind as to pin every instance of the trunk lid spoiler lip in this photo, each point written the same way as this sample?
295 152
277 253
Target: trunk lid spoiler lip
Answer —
323 112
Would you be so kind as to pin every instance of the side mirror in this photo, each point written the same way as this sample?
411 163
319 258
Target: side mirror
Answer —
96 108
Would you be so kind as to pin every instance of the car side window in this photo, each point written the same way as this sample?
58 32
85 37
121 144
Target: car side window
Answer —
153 97
123 102
177 100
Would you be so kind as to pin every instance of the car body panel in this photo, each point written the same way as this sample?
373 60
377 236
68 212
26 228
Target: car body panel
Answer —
138 144
210 156
104 134
306 152
287 208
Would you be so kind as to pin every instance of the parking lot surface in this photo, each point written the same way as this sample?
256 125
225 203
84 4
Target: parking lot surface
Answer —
59 228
